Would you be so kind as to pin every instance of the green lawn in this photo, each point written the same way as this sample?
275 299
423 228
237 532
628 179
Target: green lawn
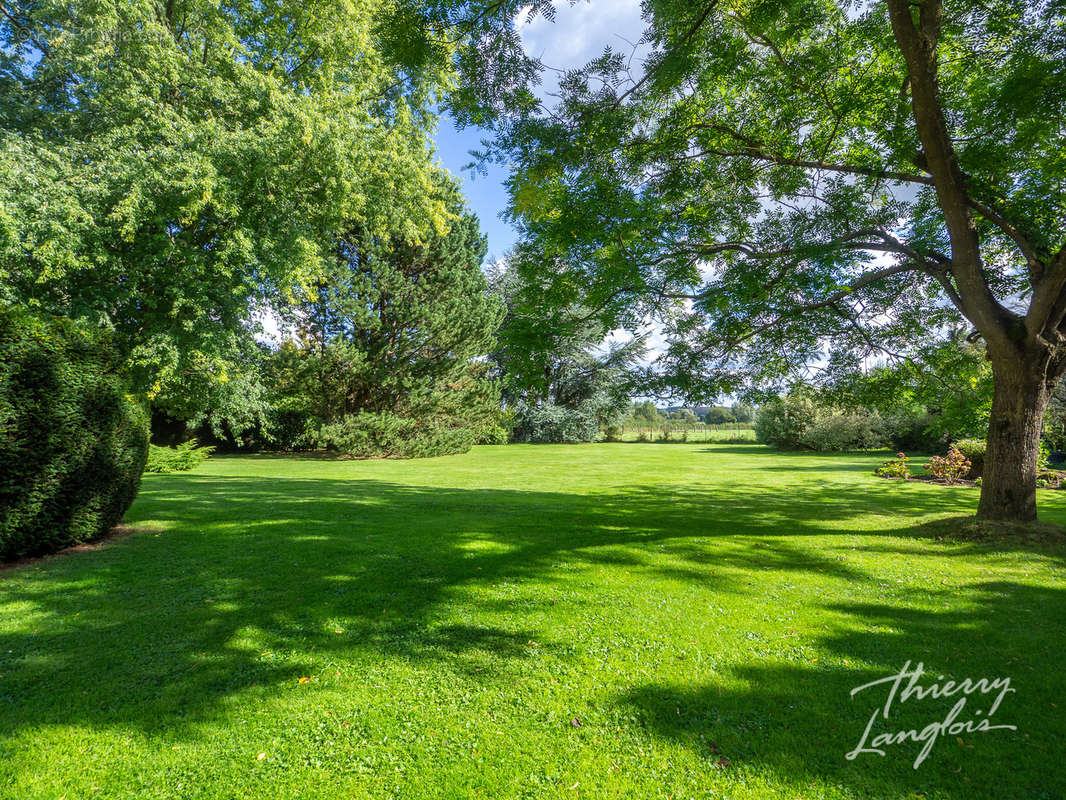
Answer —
614 620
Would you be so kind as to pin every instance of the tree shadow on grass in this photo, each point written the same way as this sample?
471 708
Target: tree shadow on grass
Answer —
154 631
799 720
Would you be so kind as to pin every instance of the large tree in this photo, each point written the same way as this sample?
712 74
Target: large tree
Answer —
788 178
168 165
397 328
551 355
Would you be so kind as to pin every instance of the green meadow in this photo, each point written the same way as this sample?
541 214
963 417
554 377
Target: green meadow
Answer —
609 620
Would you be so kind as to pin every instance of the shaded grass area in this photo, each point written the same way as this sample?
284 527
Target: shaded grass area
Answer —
525 621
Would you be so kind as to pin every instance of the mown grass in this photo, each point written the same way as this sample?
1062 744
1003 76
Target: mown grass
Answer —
591 621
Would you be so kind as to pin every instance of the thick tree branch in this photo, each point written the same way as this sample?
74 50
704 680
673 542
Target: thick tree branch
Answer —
1036 266
859 283
918 46
754 149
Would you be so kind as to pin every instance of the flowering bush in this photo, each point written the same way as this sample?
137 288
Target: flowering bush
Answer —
950 468
895 468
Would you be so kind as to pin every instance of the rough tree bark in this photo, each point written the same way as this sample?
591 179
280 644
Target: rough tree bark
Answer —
1026 351
1022 386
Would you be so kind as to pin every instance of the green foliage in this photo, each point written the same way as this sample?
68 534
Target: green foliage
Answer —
719 415
1054 430
291 429
546 423
845 431
914 431
973 450
181 458
897 467
783 422
742 412
72 442
492 434
397 331
772 168
790 180
385 434
645 414
950 468
556 357
799 421
942 391
686 416
167 168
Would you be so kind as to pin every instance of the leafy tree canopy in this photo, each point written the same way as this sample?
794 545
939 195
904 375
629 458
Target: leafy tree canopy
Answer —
788 179
397 327
948 380
551 353
165 167
718 416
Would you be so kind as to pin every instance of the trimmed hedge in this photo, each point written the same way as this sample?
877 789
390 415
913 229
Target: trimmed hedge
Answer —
388 435
72 443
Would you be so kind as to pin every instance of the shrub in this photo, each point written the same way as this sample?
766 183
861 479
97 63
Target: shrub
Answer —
551 424
914 432
181 458
796 422
784 421
386 434
491 434
950 468
974 451
72 443
895 468
291 429
839 432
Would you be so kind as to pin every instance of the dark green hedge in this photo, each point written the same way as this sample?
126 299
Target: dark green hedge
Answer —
72 443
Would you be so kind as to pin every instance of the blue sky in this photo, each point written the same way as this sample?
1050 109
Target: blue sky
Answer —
485 194
578 33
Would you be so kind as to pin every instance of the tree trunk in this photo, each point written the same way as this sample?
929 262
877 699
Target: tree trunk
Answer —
1008 485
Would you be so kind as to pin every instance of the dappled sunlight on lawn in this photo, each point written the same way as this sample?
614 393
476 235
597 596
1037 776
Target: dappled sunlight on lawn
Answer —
695 596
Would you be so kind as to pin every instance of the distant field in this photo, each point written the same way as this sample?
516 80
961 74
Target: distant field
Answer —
523 621
717 433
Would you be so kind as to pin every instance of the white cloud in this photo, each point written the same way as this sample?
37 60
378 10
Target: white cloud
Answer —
580 32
